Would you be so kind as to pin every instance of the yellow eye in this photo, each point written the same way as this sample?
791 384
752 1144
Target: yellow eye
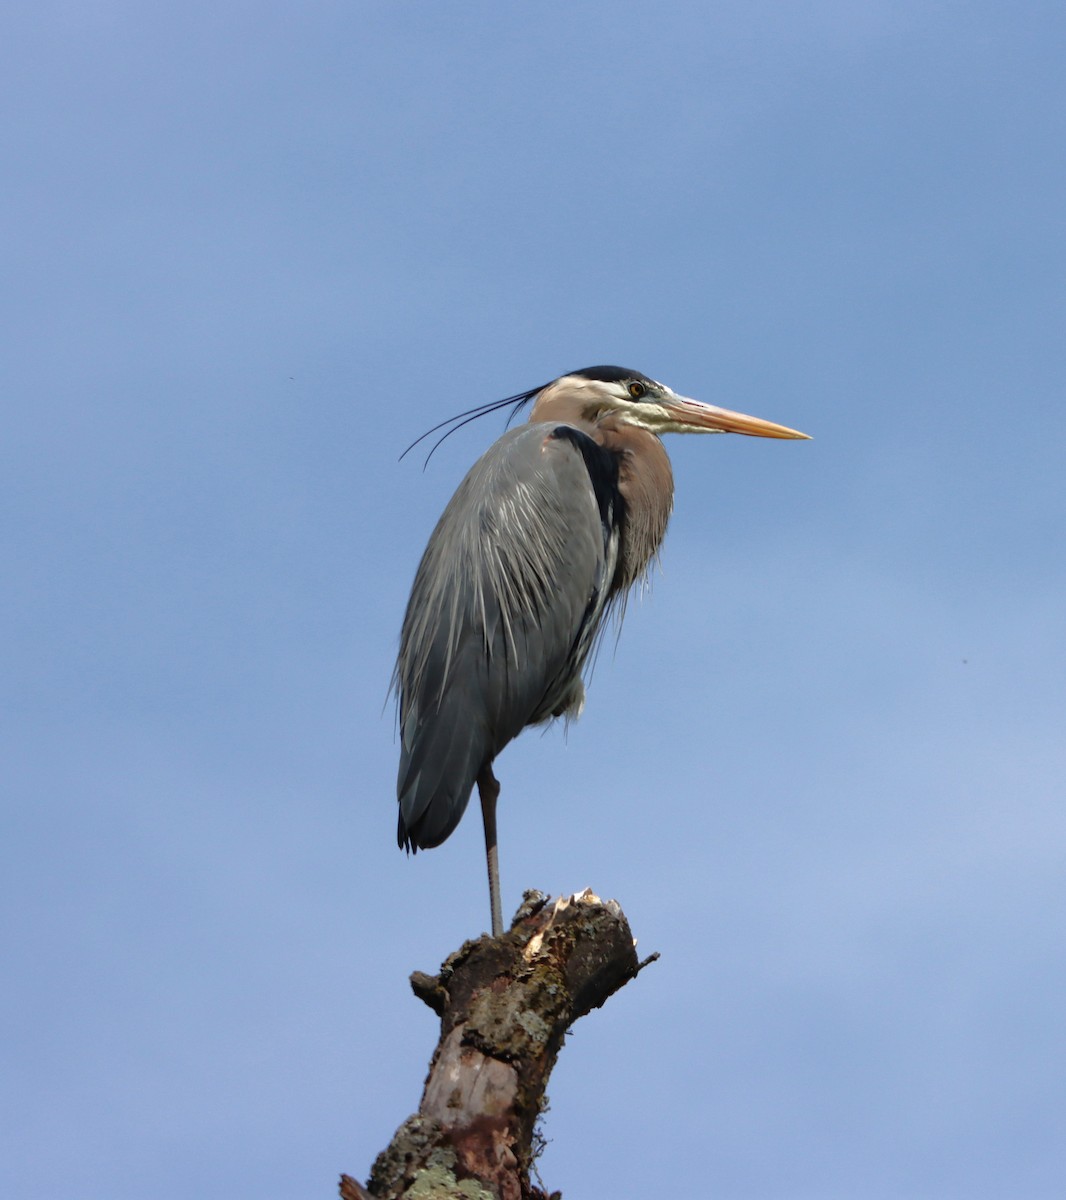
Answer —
636 390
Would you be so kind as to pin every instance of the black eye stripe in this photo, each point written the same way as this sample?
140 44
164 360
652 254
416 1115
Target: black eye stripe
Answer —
612 375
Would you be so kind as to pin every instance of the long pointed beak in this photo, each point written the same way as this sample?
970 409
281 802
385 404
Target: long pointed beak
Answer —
693 416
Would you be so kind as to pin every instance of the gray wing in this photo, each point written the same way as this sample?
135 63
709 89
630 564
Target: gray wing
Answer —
504 609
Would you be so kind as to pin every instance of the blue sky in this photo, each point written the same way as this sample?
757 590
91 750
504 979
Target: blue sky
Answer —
250 253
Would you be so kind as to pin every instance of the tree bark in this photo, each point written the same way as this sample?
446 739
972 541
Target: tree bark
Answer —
505 1005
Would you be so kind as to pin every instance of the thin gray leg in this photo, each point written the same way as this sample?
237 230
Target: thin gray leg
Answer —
488 789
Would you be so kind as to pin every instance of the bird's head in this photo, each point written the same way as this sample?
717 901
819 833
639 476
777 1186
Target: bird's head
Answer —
598 394
629 397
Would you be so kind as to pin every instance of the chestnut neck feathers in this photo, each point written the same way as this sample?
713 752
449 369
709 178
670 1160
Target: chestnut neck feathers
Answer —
645 479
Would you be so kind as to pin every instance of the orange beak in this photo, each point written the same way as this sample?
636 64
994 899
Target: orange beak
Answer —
692 416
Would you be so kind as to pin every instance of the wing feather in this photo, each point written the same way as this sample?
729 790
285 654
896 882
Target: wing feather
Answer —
505 606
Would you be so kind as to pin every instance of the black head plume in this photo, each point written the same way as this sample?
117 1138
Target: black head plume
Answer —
517 402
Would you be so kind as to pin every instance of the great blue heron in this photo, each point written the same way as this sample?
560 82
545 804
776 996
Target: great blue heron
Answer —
544 537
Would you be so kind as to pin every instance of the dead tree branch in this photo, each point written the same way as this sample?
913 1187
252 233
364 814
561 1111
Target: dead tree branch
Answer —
505 1005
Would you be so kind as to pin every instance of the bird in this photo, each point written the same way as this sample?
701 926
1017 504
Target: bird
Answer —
542 542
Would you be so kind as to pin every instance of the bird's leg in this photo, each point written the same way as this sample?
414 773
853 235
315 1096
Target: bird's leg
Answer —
488 787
